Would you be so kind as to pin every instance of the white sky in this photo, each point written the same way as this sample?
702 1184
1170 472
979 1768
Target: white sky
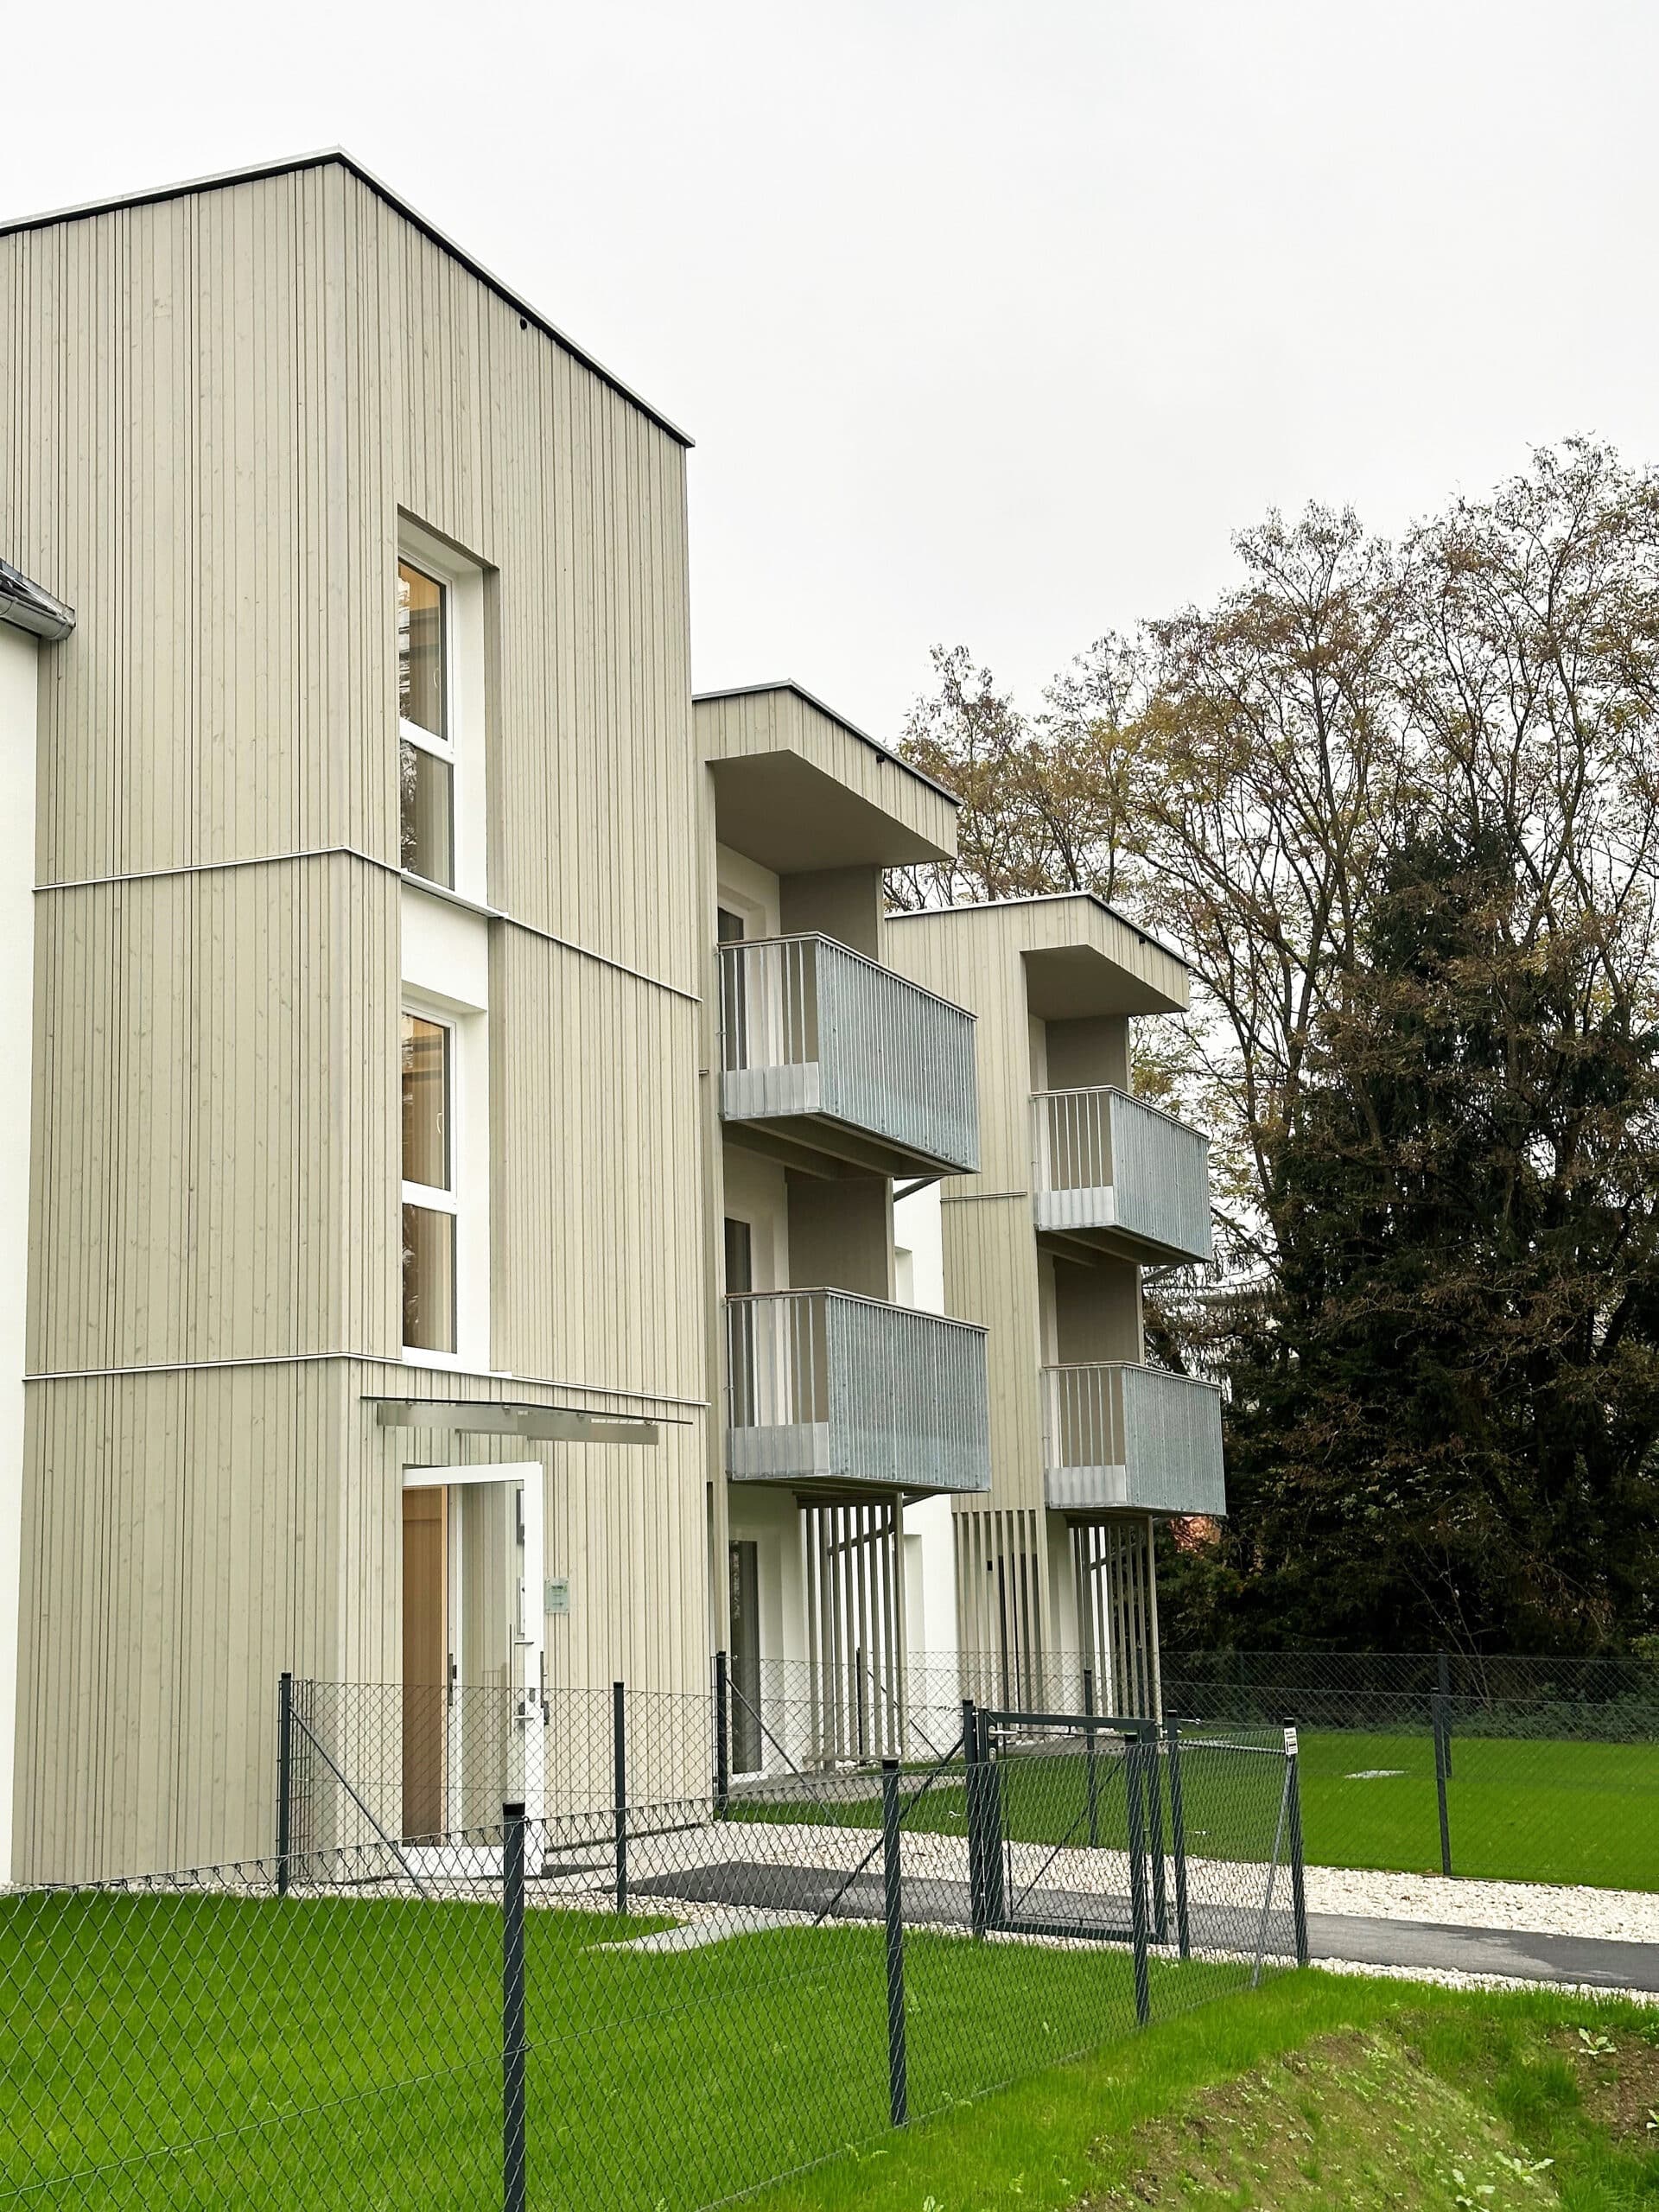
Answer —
991 321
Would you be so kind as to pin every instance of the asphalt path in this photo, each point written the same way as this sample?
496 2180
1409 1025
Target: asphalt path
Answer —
1231 1924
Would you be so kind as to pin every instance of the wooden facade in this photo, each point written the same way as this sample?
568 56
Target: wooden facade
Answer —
224 404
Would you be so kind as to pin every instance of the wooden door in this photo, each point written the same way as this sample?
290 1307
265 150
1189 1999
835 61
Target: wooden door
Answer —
426 1658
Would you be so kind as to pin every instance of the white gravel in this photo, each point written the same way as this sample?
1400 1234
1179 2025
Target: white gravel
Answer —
1542 1908
1452 1978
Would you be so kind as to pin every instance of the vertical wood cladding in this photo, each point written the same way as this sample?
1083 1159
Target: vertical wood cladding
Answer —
219 407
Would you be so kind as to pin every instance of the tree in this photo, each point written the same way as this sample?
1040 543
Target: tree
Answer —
1444 1416
1287 783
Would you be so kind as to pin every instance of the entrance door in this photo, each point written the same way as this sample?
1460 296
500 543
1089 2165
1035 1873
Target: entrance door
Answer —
746 1657
426 1657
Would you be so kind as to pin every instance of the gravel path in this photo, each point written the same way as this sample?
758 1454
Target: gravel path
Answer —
1544 1907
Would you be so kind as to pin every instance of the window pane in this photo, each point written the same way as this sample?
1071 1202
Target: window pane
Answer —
428 1278
428 800
420 649
426 1102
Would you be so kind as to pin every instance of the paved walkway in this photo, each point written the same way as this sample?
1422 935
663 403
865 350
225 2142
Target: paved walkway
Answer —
1512 1952
1231 1924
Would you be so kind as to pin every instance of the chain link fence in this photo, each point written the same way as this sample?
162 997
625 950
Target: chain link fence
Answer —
1498 1767
657 1998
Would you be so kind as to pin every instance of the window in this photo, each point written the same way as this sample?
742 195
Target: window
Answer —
426 750
428 1213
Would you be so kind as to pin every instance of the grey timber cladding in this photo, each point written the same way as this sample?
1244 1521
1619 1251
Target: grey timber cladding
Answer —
252 1512
215 1169
221 405
221 402
597 1225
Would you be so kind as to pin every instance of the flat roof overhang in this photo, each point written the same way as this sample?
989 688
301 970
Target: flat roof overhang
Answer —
798 788
1067 983
531 1424
792 818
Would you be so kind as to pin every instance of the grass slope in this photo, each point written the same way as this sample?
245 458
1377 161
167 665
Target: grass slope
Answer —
1310 2092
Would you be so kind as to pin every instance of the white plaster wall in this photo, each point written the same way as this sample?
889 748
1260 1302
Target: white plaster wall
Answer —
743 886
765 1514
756 1191
19 688
930 1542
918 1228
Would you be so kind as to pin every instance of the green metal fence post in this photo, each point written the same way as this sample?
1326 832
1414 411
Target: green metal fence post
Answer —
284 1778
975 1816
1442 1768
1090 1758
1152 1765
1298 1883
1443 1675
894 1905
990 1784
1132 1756
1177 1837
620 1765
513 2008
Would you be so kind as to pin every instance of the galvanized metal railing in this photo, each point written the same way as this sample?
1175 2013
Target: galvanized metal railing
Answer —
1103 1160
1119 1434
824 1386
809 1027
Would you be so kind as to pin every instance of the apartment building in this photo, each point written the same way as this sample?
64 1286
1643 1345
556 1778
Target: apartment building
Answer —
447 1240
832 1078
1080 1187
363 1259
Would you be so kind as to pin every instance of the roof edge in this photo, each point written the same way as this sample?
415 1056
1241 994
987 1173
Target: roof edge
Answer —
25 605
1048 899
337 156
788 683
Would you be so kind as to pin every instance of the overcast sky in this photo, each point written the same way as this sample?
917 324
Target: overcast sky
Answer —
991 321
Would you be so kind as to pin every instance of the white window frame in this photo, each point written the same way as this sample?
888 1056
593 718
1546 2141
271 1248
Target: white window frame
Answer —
425 741
428 1195
461 746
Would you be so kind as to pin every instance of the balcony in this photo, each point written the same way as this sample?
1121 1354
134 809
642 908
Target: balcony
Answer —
1111 1172
825 1388
836 1065
1133 1438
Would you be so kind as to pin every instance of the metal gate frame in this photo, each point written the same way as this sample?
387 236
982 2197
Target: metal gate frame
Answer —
990 1846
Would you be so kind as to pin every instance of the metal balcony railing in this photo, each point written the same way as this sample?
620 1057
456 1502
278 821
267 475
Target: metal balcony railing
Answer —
1120 1435
1101 1160
810 1028
824 1387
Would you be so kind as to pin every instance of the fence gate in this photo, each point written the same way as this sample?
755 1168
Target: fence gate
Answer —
1074 1826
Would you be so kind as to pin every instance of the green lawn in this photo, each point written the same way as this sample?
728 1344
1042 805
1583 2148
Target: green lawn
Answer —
321 2052
1526 1810
1529 1809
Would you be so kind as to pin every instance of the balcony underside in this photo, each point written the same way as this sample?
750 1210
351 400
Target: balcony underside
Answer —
804 1456
777 1111
1115 1489
1082 1225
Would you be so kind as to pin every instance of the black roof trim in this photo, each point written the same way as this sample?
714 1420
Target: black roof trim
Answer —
1046 899
328 157
788 683
26 606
